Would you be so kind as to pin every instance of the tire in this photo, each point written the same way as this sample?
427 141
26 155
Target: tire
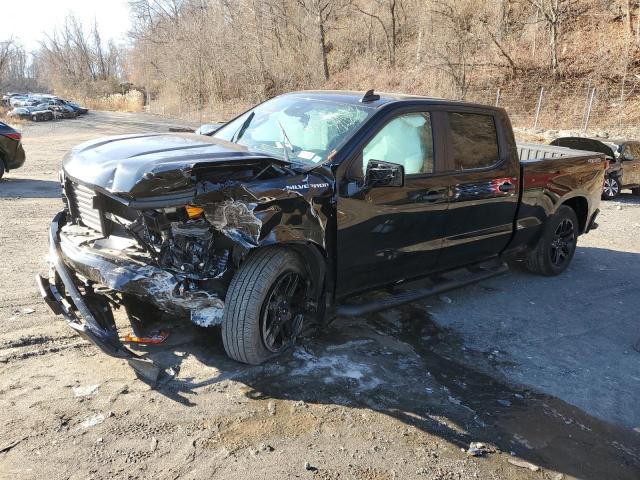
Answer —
34 118
611 188
1 168
557 245
257 323
635 191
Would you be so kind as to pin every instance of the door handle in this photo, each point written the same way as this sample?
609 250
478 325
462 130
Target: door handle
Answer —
506 187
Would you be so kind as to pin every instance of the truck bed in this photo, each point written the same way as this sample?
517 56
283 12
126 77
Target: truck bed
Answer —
532 152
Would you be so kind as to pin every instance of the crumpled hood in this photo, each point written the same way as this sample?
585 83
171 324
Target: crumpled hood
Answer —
148 164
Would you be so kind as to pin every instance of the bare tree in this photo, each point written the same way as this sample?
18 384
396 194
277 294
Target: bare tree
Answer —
388 21
322 12
553 12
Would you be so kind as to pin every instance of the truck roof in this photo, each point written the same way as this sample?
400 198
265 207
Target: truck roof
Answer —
356 97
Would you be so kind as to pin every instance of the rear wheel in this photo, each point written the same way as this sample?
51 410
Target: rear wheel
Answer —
557 245
265 306
610 188
635 191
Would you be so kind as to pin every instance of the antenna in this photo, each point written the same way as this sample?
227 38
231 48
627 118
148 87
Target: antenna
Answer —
370 96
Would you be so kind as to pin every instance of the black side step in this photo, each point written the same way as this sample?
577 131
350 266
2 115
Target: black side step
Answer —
476 274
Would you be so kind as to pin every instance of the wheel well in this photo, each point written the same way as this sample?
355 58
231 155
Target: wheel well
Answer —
314 259
581 207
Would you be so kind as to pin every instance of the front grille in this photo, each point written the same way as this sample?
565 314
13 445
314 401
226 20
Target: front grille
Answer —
81 199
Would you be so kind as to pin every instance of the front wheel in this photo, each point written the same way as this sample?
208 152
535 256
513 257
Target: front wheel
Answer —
610 188
557 245
264 306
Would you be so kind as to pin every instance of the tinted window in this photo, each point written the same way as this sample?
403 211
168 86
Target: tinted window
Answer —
406 140
474 140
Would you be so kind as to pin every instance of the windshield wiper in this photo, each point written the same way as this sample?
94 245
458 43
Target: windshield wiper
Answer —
284 144
243 128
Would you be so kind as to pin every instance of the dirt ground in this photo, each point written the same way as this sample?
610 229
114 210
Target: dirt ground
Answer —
542 371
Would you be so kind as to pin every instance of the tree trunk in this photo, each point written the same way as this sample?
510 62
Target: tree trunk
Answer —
323 48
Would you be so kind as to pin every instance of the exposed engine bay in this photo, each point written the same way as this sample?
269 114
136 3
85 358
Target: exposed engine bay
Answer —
180 259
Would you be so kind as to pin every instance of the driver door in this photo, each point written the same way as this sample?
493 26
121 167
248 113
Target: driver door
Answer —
390 233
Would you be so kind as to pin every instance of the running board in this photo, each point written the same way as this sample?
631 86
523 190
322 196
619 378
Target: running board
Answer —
476 274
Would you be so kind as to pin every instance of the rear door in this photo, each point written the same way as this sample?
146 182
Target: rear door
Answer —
390 233
484 186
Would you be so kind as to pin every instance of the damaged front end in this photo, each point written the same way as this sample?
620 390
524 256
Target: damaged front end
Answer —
175 244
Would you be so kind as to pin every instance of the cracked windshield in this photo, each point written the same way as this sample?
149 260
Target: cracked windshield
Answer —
296 129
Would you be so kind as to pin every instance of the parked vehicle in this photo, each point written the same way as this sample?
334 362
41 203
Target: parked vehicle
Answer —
63 111
80 110
624 162
11 152
37 114
287 211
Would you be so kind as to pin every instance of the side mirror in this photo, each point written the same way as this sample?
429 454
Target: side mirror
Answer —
384 174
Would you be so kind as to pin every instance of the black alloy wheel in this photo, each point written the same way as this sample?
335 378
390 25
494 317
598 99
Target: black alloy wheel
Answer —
563 243
283 312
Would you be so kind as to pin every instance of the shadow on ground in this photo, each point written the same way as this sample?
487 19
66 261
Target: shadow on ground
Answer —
11 187
401 364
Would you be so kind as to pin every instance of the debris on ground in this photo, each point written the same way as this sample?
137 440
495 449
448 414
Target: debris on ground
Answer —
523 464
155 337
85 391
28 311
92 421
479 449
10 445
309 467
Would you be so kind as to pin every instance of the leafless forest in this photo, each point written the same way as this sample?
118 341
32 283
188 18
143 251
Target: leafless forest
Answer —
211 58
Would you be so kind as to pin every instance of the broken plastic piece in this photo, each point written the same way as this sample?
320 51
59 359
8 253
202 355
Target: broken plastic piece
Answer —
155 337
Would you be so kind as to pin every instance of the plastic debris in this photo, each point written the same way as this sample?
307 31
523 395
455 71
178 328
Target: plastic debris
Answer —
85 391
92 421
523 464
309 467
28 310
155 337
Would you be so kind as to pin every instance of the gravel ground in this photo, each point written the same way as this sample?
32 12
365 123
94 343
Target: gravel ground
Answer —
541 371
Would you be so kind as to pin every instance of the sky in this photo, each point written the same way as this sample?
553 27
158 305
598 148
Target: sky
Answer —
27 20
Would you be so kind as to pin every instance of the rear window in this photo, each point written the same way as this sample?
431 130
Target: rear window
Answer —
474 140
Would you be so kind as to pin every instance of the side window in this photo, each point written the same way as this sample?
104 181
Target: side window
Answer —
406 140
474 140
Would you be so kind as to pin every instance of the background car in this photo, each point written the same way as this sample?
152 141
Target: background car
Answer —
37 114
624 162
76 107
11 152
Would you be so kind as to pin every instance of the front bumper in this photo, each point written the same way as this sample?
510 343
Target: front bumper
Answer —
79 314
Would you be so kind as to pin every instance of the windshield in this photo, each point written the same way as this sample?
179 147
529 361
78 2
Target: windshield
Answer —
309 129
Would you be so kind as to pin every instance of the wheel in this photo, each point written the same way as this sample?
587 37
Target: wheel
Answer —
1 168
264 306
635 191
557 245
611 188
34 118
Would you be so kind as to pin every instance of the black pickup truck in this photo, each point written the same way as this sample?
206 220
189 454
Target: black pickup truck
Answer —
286 212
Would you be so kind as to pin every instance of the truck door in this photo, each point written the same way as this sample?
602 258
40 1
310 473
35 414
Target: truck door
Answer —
484 186
390 233
631 164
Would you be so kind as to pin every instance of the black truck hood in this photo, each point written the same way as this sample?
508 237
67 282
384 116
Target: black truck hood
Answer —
149 164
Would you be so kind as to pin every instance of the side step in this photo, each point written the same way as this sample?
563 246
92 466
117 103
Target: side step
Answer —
477 273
